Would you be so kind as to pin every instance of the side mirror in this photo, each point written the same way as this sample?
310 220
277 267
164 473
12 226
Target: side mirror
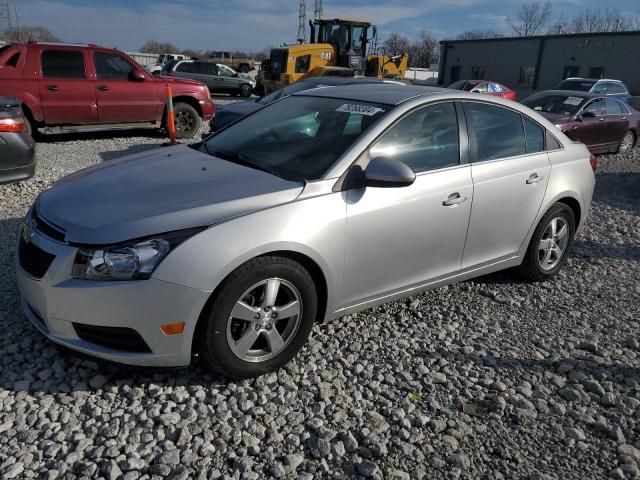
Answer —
137 76
386 172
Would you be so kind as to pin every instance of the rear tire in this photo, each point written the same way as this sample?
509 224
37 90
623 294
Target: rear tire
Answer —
627 143
242 336
188 120
549 244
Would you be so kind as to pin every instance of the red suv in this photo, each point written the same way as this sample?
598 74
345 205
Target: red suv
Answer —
70 87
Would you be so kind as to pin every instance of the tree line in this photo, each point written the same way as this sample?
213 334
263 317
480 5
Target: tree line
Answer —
538 18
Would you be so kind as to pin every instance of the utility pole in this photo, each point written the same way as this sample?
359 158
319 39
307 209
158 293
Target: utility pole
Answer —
317 11
302 20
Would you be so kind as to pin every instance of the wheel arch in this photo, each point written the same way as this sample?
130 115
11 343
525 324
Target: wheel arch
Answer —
188 100
575 207
314 269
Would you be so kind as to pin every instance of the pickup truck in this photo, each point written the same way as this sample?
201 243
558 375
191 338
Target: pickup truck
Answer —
239 64
73 87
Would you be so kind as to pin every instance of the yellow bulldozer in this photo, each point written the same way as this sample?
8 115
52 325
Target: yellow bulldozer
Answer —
337 47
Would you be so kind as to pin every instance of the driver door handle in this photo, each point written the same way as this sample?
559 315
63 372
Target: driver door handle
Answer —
454 199
534 178
103 88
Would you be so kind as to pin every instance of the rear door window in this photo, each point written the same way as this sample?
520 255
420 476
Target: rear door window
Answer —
63 64
613 107
497 132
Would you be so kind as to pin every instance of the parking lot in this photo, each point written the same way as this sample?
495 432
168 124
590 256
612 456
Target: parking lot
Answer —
490 378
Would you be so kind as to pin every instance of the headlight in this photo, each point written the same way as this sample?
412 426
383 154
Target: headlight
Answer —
136 261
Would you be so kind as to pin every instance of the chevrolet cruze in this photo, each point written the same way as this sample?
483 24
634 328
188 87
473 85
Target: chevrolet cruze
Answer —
321 204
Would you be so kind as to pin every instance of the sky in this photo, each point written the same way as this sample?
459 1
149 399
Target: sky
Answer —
253 25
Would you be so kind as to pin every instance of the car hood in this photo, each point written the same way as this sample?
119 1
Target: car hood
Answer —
155 192
242 108
230 113
556 118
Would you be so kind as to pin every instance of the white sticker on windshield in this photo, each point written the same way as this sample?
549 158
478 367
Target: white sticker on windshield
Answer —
359 109
573 101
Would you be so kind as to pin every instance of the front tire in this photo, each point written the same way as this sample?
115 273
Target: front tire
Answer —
260 318
549 244
245 90
188 120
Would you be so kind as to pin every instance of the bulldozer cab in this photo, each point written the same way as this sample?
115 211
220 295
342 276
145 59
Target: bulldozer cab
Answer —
349 38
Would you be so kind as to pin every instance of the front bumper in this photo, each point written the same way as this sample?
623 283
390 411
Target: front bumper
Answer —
17 157
55 302
208 109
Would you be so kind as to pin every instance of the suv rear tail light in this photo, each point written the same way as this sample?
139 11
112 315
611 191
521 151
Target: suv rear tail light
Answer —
13 125
593 160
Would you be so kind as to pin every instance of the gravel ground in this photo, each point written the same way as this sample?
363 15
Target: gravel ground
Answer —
490 378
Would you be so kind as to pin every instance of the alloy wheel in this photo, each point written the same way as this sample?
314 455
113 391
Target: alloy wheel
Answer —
627 142
264 320
184 121
553 244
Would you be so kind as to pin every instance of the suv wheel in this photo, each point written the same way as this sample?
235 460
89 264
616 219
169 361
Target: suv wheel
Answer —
187 120
260 319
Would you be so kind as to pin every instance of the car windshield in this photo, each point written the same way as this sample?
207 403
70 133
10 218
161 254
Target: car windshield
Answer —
557 104
575 85
298 138
463 85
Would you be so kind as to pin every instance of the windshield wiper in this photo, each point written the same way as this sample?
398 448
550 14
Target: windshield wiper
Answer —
238 159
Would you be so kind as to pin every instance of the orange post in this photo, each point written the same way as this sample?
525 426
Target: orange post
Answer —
171 120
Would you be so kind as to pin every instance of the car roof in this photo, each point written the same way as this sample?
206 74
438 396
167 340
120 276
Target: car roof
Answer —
375 92
335 81
594 79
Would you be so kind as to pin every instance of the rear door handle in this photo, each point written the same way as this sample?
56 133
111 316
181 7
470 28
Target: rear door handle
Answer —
534 178
454 199
103 88
52 88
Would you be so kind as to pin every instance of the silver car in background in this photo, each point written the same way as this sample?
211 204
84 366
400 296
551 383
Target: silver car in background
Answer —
321 204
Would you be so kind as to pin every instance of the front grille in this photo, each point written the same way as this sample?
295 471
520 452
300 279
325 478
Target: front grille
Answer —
34 260
115 338
47 229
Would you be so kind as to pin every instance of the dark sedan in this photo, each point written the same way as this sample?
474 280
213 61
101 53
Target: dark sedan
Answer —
602 123
17 148
227 114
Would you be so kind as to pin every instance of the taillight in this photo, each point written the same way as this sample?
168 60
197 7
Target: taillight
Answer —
593 160
14 125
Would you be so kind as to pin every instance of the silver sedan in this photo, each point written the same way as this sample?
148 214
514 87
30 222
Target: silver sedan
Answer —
324 203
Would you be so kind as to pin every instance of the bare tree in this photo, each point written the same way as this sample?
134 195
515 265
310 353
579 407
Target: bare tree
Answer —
396 44
424 51
532 18
479 34
153 46
592 21
25 34
607 20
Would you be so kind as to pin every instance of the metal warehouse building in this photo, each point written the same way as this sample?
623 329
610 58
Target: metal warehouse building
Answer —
537 63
